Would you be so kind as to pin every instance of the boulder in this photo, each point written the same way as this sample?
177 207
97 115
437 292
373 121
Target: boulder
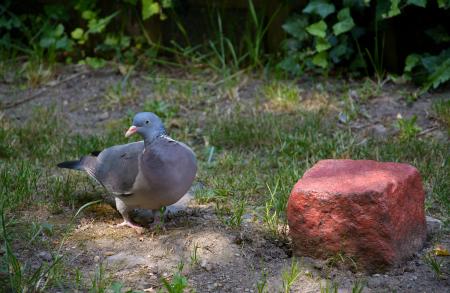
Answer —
370 211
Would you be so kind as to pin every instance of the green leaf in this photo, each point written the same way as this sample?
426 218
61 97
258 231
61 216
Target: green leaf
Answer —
322 45
420 3
77 33
443 3
338 52
59 30
88 14
64 44
439 75
149 8
295 26
321 59
317 29
439 34
95 62
99 25
345 23
393 10
411 62
319 7
47 42
166 3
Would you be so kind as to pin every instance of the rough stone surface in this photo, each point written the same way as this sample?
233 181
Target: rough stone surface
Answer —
434 226
370 211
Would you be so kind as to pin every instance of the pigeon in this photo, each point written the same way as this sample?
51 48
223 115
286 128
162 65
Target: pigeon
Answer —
148 174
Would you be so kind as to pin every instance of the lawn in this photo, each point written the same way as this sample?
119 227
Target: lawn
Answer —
254 137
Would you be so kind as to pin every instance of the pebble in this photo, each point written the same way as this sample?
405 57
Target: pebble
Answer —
103 116
44 255
96 258
433 225
409 269
205 265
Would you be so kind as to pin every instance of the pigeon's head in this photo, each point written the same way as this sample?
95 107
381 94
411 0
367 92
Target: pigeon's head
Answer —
148 125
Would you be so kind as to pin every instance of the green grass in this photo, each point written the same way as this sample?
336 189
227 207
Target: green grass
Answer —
250 156
441 109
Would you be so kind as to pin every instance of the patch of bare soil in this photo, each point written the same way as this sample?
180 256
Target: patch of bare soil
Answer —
228 260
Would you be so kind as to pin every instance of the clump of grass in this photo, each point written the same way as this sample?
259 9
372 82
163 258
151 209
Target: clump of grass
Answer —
194 255
408 128
36 72
161 108
99 280
240 130
231 216
262 283
19 183
435 264
120 94
290 275
341 259
285 96
178 282
441 109
358 286
274 211
330 287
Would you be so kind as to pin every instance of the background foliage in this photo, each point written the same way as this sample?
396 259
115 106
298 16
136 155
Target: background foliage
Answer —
357 37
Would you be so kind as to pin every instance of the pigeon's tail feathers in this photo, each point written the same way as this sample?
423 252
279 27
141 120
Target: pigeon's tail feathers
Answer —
83 164
76 165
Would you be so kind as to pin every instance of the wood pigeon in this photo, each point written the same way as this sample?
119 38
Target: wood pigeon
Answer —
148 174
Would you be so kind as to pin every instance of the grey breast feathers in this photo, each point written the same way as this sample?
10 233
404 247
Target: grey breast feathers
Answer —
168 166
118 166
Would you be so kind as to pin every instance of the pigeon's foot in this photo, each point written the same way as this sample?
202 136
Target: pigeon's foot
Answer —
137 228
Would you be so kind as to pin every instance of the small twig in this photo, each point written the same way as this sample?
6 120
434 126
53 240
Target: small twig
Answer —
423 132
51 84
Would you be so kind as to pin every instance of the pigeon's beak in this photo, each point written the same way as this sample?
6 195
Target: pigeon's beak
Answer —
131 131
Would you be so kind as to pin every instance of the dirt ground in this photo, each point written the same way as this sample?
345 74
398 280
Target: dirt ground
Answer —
229 260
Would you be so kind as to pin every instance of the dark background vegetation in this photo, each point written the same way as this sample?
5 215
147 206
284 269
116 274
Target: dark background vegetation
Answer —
358 38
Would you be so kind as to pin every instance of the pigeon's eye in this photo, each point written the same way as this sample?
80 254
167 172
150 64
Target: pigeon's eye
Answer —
147 122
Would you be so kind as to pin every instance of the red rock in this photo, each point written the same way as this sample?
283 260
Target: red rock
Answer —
370 211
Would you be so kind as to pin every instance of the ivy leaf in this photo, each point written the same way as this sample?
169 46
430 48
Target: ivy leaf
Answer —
420 3
150 8
321 59
345 23
99 25
322 45
411 62
443 3
319 7
393 9
47 42
166 3
95 62
440 75
295 26
59 30
317 29
88 14
439 34
77 33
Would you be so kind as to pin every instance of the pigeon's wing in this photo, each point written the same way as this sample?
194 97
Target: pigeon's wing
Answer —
117 167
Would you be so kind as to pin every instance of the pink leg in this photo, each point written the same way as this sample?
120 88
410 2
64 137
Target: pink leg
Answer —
137 228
